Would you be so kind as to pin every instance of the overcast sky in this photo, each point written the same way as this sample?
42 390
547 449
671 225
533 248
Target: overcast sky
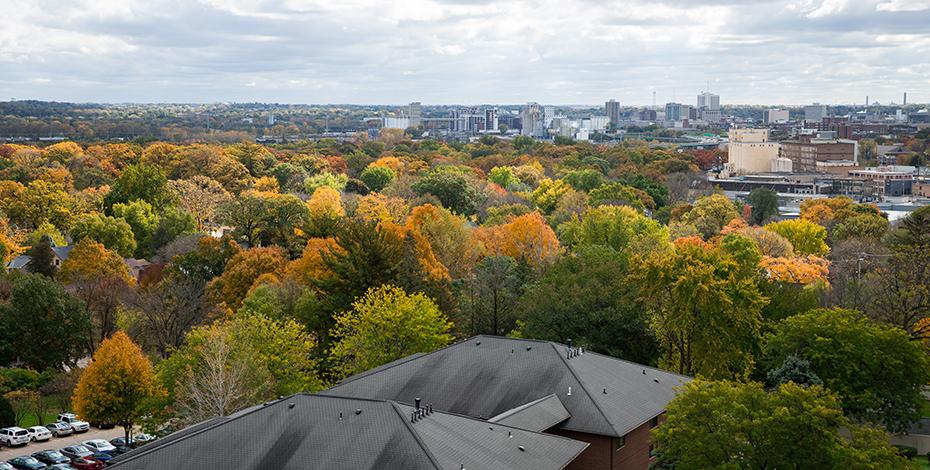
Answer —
465 51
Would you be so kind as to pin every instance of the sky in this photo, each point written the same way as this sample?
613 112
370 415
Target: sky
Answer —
465 52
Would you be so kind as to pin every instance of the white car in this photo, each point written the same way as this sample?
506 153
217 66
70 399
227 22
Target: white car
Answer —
14 436
99 445
76 424
39 433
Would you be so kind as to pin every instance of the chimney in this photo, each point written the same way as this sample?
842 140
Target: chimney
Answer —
416 402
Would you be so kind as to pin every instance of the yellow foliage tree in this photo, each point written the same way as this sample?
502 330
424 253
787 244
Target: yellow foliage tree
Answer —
797 270
380 208
243 271
326 201
449 235
90 260
527 237
118 386
310 266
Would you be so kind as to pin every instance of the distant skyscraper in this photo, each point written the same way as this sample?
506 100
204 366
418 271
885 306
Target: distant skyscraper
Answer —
677 112
531 118
815 112
415 113
612 109
548 115
271 119
708 107
490 119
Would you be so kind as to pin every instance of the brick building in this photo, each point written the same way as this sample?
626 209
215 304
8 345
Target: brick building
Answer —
811 154
608 403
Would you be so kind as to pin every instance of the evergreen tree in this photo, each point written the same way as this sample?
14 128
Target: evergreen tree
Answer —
43 258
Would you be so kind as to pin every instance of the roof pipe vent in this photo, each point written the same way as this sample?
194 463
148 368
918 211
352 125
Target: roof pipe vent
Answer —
416 402
358 411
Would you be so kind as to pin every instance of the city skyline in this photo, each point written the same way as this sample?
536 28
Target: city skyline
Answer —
448 52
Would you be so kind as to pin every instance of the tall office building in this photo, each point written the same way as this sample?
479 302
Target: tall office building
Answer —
490 119
708 106
414 112
612 109
815 112
548 115
677 112
531 118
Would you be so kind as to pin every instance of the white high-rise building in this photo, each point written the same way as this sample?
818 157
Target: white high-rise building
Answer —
775 116
708 107
548 115
815 112
750 151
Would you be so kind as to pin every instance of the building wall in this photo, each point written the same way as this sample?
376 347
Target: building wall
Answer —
805 154
603 454
749 151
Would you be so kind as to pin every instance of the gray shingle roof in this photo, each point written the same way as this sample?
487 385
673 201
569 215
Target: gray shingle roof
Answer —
536 415
327 432
485 376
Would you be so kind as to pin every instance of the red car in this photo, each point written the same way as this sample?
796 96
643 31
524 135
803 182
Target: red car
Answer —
85 463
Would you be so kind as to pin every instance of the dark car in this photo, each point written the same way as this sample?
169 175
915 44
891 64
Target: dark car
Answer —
50 457
61 466
26 462
104 457
76 452
87 464
120 450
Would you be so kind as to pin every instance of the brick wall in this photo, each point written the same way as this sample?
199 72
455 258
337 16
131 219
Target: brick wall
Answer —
602 453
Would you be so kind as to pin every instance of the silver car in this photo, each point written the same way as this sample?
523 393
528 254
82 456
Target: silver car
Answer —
59 429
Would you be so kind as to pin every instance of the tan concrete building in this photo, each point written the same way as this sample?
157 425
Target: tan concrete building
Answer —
750 151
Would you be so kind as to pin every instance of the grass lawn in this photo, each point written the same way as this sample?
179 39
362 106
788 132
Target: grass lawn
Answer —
925 408
922 461
30 420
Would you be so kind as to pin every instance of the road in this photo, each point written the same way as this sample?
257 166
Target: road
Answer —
7 453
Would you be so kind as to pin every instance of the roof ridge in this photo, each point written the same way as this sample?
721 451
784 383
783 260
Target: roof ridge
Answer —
587 392
638 365
432 458
523 407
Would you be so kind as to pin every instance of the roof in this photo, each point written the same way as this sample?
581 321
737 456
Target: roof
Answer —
537 415
486 376
19 262
319 431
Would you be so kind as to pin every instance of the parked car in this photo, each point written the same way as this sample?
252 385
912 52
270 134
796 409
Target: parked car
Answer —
99 445
87 464
61 466
26 462
5 466
50 457
142 439
14 436
59 429
120 450
76 424
121 441
76 452
39 433
102 424
104 457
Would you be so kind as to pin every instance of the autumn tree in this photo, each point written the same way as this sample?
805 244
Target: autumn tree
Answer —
454 190
118 386
742 425
100 278
384 325
619 227
705 309
527 237
241 272
710 214
377 177
449 235
876 370
806 237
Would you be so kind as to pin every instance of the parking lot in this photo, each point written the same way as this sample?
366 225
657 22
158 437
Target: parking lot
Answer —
7 453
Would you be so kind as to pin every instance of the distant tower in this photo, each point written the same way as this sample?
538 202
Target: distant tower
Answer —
905 98
612 109
653 100
866 101
271 119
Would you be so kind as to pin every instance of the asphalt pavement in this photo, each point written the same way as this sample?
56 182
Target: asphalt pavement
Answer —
55 443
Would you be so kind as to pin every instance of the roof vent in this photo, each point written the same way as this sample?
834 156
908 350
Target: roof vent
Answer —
290 405
416 402
529 347
522 449
605 391
655 380
644 371
358 411
340 416
510 434
511 351
569 391
477 343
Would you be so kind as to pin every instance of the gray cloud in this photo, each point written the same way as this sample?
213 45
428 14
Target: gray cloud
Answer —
459 51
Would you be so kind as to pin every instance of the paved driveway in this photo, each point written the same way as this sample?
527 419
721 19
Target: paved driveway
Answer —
7 453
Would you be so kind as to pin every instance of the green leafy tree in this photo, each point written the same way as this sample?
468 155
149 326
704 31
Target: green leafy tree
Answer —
585 180
7 415
764 203
741 425
114 233
118 386
337 182
503 176
173 224
143 220
384 325
453 190
140 181
586 297
45 327
42 258
619 227
377 177
548 194
876 370
620 194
